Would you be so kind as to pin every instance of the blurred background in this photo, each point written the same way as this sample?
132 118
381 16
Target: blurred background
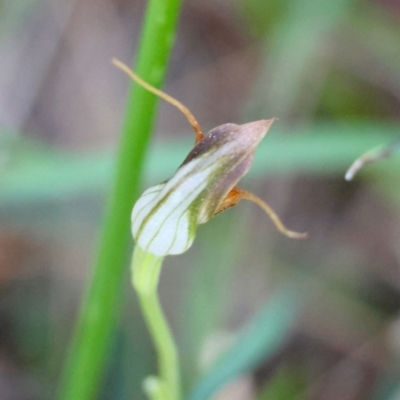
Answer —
330 71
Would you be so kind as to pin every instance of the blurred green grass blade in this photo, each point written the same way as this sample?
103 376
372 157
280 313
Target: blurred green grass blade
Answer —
101 308
31 173
321 149
384 176
13 14
257 343
207 290
262 14
288 383
379 32
55 176
388 387
290 56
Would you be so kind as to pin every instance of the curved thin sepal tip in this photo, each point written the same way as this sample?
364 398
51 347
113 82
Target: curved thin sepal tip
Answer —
296 235
273 216
169 99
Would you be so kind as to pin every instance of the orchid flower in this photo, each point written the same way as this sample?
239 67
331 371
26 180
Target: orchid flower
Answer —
166 216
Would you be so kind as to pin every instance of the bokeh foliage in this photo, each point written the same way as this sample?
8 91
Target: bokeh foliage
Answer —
330 72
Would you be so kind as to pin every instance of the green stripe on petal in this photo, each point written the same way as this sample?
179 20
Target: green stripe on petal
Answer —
165 218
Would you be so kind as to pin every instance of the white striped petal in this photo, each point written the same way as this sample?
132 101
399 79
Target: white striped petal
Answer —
165 218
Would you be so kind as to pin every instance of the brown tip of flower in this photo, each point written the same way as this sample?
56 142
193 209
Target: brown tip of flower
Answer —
248 136
262 124
270 121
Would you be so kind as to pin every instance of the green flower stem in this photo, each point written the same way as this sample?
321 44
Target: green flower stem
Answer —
100 310
146 269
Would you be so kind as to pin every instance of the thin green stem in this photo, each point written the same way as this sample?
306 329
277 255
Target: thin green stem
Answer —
146 270
100 310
